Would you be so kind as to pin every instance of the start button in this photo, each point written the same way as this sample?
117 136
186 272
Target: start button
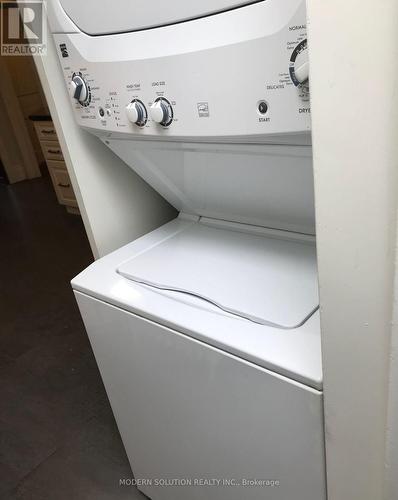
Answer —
262 107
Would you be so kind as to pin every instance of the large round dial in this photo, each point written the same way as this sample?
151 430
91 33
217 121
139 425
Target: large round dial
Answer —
136 112
79 89
299 66
162 112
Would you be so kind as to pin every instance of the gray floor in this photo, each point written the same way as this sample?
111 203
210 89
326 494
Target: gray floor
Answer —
58 437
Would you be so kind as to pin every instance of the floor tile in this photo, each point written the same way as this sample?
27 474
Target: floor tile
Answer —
58 437
88 467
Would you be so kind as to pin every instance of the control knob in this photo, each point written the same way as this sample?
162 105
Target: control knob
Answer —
302 67
162 112
79 90
136 112
299 65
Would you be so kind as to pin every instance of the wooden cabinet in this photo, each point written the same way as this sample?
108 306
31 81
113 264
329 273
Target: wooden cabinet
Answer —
52 153
51 150
61 182
45 131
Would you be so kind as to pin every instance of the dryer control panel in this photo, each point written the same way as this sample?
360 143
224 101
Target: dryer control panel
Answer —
242 73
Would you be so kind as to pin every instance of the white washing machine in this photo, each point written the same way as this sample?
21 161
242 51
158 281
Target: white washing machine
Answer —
206 331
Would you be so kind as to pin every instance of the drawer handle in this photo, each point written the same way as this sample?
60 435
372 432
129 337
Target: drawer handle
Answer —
54 151
63 185
48 131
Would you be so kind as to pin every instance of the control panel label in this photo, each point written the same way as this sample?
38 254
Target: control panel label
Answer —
203 109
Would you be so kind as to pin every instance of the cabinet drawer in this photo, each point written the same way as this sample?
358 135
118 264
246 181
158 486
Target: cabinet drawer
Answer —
46 131
61 182
52 150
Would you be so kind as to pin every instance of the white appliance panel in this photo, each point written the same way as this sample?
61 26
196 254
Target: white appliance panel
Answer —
293 353
96 17
269 186
186 410
228 76
266 278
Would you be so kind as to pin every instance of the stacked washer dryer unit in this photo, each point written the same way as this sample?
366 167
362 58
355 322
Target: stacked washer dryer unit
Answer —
206 331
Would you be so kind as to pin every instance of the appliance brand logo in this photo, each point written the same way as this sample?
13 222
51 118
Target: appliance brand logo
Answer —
64 50
203 109
23 28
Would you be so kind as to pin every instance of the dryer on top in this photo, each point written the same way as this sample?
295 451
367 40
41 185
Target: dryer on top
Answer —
220 71
98 17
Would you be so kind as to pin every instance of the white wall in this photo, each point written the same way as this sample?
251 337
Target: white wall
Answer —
116 205
354 86
391 476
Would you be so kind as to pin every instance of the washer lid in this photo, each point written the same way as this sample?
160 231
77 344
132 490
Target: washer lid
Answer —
97 17
263 278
